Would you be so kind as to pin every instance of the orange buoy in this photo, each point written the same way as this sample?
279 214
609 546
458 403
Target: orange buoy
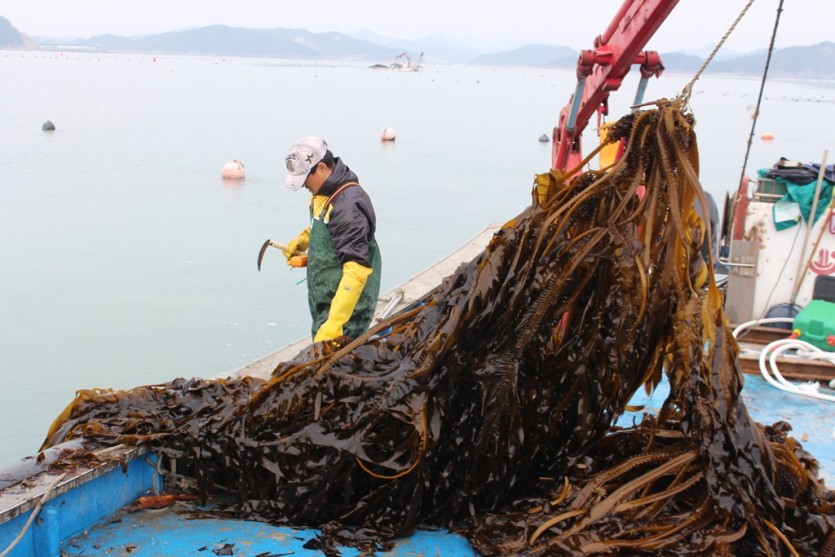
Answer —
234 170
388 134
767 136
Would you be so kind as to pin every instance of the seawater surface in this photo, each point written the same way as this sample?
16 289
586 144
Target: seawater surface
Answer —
125 258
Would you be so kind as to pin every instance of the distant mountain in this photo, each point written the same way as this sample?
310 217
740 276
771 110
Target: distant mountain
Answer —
436 47
546 56
704 52
531 55
678 62
815 61
238 41
12 38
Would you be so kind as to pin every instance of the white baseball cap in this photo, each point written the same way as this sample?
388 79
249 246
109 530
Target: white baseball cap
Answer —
305 153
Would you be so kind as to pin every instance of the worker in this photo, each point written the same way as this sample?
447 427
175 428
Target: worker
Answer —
343 259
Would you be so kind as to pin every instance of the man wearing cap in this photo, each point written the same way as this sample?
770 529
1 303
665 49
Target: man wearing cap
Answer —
343 259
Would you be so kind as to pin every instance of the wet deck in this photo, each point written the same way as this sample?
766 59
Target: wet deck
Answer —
812 420
167 533
172 532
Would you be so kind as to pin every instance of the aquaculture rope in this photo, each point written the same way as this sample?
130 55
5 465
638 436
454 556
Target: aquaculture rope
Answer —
685 93
762 87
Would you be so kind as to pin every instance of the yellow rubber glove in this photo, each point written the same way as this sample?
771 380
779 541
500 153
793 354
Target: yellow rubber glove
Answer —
545 187
299 243
354 277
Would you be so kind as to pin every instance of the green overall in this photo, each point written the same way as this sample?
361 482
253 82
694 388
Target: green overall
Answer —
324 273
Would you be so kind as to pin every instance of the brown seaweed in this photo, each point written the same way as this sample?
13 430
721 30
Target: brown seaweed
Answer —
490 407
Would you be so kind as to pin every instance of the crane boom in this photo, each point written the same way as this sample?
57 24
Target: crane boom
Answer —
601 71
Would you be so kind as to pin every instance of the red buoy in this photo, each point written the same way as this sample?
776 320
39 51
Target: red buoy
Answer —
234 170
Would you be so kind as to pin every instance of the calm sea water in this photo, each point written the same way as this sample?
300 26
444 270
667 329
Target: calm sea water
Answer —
125 259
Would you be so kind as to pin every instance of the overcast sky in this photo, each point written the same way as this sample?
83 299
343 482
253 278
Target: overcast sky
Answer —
693 24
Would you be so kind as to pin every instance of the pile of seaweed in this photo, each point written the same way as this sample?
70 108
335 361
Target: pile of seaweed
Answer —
490 408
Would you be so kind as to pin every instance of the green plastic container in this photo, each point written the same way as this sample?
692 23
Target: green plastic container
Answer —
816 323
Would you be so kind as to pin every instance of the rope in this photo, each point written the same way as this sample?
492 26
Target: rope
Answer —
762 86
685 93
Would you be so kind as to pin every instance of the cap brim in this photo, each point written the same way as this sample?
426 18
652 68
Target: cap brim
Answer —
294 182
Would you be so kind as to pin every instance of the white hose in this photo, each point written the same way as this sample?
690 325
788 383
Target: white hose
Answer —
763 321
804 350
769 354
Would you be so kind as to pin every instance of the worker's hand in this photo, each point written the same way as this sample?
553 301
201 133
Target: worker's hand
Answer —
329 330
354 277
298 261
297 246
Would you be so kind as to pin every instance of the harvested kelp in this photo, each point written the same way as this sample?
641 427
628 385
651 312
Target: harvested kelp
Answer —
490 407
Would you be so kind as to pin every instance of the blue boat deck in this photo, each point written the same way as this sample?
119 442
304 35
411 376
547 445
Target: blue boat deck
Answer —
812 420
90 517
165 533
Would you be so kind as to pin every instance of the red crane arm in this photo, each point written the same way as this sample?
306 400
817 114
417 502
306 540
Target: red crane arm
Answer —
602 70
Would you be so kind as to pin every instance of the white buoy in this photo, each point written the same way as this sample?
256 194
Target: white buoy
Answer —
234 170
388 134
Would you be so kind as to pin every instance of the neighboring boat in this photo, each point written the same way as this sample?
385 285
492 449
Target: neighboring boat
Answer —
781 273
402 63
775 258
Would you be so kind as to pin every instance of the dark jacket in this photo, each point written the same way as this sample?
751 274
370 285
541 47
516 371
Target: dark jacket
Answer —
352 222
